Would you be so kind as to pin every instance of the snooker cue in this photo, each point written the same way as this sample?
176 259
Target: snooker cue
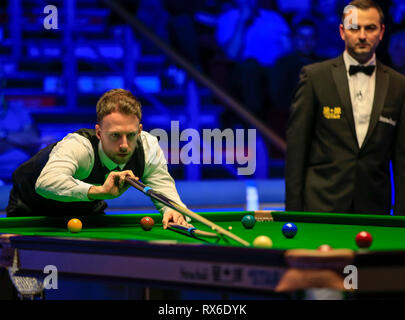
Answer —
193 231
171 204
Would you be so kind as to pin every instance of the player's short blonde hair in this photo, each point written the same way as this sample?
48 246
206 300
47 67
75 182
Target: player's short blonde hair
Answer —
118 100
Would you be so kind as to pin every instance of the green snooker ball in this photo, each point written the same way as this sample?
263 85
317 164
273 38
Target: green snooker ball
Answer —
248 221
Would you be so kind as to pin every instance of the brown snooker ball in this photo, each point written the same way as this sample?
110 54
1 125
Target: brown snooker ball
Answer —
147 223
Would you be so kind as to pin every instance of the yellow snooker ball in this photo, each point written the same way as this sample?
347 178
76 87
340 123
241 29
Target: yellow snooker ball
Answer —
262 242
74 225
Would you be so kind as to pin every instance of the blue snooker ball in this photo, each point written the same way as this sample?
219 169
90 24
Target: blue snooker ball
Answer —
289 230
248 221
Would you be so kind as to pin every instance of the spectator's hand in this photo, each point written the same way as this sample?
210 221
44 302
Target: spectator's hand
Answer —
175 217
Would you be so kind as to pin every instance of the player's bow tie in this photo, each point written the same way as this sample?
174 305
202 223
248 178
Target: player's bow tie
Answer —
368 70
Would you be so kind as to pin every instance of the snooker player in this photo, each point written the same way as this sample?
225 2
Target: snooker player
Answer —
75 175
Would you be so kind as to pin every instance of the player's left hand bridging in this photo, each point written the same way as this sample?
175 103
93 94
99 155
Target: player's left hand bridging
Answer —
175 217
114 186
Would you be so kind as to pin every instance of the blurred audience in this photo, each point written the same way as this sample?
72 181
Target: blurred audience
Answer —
394 20
397 51
155 16
252 39
397 12
285 73
182 29
291 8
19 138
247 31
284 76
326 17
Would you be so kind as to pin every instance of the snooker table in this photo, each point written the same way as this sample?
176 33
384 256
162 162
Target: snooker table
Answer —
116 247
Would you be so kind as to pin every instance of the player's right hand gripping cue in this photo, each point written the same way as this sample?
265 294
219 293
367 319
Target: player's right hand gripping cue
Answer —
114 186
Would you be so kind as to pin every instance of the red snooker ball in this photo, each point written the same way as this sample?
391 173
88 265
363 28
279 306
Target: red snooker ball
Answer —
364 239
147 223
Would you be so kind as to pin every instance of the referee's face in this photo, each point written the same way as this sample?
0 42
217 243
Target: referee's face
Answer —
118 133
362 39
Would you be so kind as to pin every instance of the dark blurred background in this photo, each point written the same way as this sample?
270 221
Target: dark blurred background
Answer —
250 50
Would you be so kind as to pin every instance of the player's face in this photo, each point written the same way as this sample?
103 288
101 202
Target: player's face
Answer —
118 133
361 42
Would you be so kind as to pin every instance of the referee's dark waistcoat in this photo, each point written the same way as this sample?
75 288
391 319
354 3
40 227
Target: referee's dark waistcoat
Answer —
25 201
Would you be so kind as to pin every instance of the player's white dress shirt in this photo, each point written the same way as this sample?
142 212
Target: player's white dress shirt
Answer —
72 160
362 89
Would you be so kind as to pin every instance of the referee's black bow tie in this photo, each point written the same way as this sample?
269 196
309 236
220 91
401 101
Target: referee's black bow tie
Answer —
368 70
